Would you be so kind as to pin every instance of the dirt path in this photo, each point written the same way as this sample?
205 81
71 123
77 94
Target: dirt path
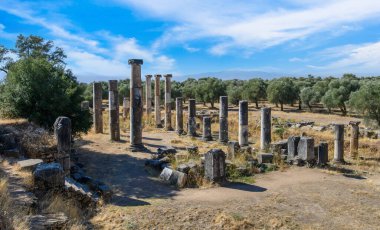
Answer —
296 198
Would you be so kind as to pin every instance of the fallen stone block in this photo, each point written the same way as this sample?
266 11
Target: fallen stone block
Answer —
173 177
183 168
28 165
49 175
277 146
264 158
166 151
192 150
81 192
319 128
48 221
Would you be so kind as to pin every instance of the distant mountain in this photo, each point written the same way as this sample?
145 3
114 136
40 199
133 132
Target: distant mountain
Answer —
236 74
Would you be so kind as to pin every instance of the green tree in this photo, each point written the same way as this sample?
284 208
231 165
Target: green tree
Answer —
282 91
208 90
254 90
366 101
38 87
338 93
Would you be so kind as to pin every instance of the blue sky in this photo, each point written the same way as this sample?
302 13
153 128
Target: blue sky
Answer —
184 37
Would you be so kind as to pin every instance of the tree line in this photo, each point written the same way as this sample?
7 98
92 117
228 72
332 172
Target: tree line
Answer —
38 86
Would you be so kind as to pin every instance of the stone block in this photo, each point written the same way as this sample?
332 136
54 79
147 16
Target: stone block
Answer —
215 165
49 175
174 177
292 147
264 158
277 146
28 165
306 149
323 153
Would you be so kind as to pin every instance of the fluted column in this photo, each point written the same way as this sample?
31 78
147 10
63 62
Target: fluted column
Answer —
168 109
157 92
113 101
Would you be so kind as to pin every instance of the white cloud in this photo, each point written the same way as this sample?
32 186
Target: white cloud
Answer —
190 49
101 55
6 35
254 25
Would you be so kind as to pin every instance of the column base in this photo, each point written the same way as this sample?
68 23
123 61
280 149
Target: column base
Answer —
159 126
180 132
207 138
137 148
169 129
339 161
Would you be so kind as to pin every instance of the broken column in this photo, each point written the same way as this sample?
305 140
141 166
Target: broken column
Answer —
323 153
62 133
305 149
207 129
136 108
113 100
215 165
157 92
339 143
265 128
243 123
125 107
191 123
148 84
223 119
354 141
179 115
292 147
97 107
168 107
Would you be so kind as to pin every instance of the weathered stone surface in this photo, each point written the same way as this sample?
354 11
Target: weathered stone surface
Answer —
166 151
97 107
354 141
174 177
148 94
277 146
136 108
323 153
206 135
306 149
264 158
293 147
126 105
339 143
62 132
48 221
28 165
191 123
168 108
223 119
243 123
266 125
113 109
80 192
319 128
49 175
179 115
215 165
233 149
183 168
157 101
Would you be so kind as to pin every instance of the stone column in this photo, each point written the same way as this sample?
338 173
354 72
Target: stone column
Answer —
192 124
207 129
148 91
323 153
157 93
62 133
223 119
243 123
113 100
179 115
305 149
97 107
293 147
354 141
168 107
339 143
136 108
266 120
125 107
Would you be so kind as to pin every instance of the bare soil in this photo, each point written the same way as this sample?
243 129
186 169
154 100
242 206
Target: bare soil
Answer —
296 198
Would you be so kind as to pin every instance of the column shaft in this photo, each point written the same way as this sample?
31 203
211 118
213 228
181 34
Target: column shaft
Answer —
97 107
243 123
114 110
223 119
148 97
179 115
265 128
168 109
157 92
339 143
192 125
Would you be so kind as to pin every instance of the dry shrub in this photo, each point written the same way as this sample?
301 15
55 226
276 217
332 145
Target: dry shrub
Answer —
36 142
234 221
55 202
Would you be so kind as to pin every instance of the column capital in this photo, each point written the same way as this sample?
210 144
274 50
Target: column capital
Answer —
148 76
168 75
157 76
135 61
